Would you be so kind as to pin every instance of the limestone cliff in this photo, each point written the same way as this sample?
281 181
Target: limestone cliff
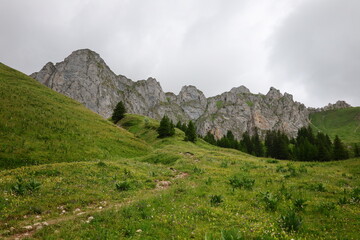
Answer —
85 77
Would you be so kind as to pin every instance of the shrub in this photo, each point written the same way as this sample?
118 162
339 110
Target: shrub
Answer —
21 187
18 188
319 187
241 182
198 170
290 221
215 200
326 208
355 195
227 235
343 200
299 204
101 164
272 161
33 185
122 186
283 191
270 200
224 165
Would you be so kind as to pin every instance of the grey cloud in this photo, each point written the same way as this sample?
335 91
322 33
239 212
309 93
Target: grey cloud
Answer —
318 47
212 44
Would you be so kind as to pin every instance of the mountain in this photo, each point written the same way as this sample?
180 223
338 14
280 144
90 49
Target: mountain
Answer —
41 126
344 122
85 77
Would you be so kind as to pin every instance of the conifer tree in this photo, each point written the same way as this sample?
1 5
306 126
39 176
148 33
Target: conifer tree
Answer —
210 138
356 150
190 133
166 128
258 146
119 112
339 150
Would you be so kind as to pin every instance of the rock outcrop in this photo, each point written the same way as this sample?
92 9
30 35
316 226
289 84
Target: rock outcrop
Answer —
337 105
85 77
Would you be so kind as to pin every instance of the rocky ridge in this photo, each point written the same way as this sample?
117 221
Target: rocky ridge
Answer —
85 77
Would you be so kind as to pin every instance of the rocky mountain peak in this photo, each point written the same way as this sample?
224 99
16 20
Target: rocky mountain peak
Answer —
274 94
85 77
338 105
240 90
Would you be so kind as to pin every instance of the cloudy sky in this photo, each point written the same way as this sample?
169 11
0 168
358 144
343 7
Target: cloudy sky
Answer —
309 48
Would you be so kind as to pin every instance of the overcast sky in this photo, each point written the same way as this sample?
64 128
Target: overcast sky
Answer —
308 48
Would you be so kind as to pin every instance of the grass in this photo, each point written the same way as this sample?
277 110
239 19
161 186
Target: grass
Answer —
174 189
38 126
342 122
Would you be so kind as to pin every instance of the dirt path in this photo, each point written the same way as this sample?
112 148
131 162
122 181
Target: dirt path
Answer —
31 229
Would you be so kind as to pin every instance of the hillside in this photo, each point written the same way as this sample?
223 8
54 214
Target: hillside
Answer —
342 122
89 179
39 125
181 190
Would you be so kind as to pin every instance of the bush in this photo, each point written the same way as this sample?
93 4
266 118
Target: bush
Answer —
227 235
326 208
272 161
319 187
290 221
355 195
21 187
122 186
270 200
299 204
215 200
241 182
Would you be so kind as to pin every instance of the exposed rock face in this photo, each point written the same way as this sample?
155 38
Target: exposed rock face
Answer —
337 105
85 77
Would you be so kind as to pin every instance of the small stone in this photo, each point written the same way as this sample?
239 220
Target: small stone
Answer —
77 210
100 207
29 227
139 231
45 223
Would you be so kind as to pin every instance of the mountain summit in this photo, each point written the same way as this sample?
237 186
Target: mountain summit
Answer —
85 77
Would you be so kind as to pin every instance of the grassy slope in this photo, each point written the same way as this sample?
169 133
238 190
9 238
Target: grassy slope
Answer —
38 125
183 210
71 192
342 122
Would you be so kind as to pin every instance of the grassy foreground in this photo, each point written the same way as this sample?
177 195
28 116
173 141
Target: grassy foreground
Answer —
342 122
39 125
132 185
182 190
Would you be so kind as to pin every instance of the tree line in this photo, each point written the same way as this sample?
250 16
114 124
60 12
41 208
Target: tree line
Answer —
167 129
305 147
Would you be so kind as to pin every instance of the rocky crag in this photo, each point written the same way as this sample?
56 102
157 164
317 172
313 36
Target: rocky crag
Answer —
85 77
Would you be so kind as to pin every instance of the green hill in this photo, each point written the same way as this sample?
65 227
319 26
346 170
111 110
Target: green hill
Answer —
342 122
143 187
38 125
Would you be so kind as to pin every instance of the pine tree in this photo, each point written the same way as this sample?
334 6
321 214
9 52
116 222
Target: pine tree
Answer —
339 150
166 128
190 133
119 112
258 146
356 150
246 144
210 138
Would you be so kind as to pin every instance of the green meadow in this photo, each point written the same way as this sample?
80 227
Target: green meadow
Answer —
66 173
342 122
